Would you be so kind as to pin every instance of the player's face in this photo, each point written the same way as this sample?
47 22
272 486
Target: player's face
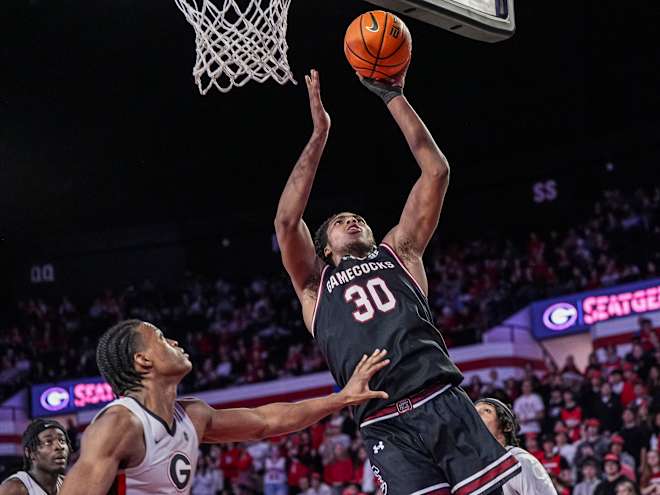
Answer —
52 452
489 417
167 357
348 229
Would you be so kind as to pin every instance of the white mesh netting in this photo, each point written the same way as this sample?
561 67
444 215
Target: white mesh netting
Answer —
238 42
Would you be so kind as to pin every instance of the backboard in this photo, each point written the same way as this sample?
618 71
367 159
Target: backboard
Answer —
484 20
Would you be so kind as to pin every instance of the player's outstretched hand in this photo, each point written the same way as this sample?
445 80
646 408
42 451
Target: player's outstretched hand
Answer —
357 389
320 117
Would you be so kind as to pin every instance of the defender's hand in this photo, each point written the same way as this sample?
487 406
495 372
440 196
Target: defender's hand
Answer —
320 117
357 389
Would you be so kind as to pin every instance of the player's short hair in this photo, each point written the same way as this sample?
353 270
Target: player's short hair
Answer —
30 440
321 239
115 357
505 418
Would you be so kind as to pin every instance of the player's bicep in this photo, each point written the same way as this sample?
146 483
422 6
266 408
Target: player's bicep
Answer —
114 439
298 253
234 425
421 213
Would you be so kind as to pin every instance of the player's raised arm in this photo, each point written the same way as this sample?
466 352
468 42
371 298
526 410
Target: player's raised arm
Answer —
422 210
107 444
237 425
293 236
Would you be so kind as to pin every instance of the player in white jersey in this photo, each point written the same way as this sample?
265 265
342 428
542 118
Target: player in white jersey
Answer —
46 450
146 442
501 422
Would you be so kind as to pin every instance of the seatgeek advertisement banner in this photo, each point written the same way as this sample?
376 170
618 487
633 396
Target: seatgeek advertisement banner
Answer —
575 313
69 397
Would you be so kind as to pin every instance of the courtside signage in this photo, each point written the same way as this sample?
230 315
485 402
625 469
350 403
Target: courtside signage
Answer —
68 397
575 313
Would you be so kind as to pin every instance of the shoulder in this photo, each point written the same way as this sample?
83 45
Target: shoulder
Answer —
101 436
198 411
523 456
195 408
117 416
13 486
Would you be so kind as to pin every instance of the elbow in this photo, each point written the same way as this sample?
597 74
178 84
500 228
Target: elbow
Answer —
439 171
284 223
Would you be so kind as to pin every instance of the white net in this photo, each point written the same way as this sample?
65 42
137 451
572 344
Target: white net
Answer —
238 42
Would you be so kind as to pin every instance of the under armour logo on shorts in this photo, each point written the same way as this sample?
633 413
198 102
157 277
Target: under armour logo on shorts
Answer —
377 448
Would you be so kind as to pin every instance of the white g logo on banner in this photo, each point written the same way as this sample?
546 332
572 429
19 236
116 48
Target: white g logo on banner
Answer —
560 316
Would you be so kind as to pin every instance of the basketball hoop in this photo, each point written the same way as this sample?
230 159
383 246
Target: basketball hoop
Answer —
235 44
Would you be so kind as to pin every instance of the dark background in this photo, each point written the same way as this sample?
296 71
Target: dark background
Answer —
112 166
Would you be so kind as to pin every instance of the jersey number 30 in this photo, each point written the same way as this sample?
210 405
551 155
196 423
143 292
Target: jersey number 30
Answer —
376 294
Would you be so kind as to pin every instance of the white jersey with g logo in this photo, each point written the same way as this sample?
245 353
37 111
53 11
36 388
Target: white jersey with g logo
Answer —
170 460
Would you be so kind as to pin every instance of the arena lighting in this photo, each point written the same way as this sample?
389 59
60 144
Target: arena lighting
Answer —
575 313
68 397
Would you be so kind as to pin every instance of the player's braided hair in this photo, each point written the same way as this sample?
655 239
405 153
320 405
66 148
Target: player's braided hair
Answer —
321 239
30 440
114 357
506 419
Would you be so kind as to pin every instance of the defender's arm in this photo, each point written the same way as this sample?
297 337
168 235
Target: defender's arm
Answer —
114 440
237 425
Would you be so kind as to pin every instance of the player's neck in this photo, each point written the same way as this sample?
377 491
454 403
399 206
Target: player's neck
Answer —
159 398
356 250
47 481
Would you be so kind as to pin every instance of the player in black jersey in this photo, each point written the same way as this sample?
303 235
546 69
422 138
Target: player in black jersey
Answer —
426 438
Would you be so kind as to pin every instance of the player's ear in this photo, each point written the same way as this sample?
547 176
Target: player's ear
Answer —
327 251
142 361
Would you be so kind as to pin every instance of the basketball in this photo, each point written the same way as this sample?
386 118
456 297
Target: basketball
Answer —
378 45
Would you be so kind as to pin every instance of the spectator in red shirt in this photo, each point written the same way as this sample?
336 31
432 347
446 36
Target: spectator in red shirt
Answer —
650 477
612 360
297 470
532 445
229 462
244 466
317 433
340 469
627 461
571 415
624 388
646 331
550 458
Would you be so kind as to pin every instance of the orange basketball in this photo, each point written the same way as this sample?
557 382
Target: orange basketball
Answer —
378 45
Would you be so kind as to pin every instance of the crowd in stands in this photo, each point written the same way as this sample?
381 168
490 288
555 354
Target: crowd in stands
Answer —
237 333
595 430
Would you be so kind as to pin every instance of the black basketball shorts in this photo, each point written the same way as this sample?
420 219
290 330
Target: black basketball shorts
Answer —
435 443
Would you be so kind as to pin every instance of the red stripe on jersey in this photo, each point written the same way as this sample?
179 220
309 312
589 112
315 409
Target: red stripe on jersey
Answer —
119 485
488 476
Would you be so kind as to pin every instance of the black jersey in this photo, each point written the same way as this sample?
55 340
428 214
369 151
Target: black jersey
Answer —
374 303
